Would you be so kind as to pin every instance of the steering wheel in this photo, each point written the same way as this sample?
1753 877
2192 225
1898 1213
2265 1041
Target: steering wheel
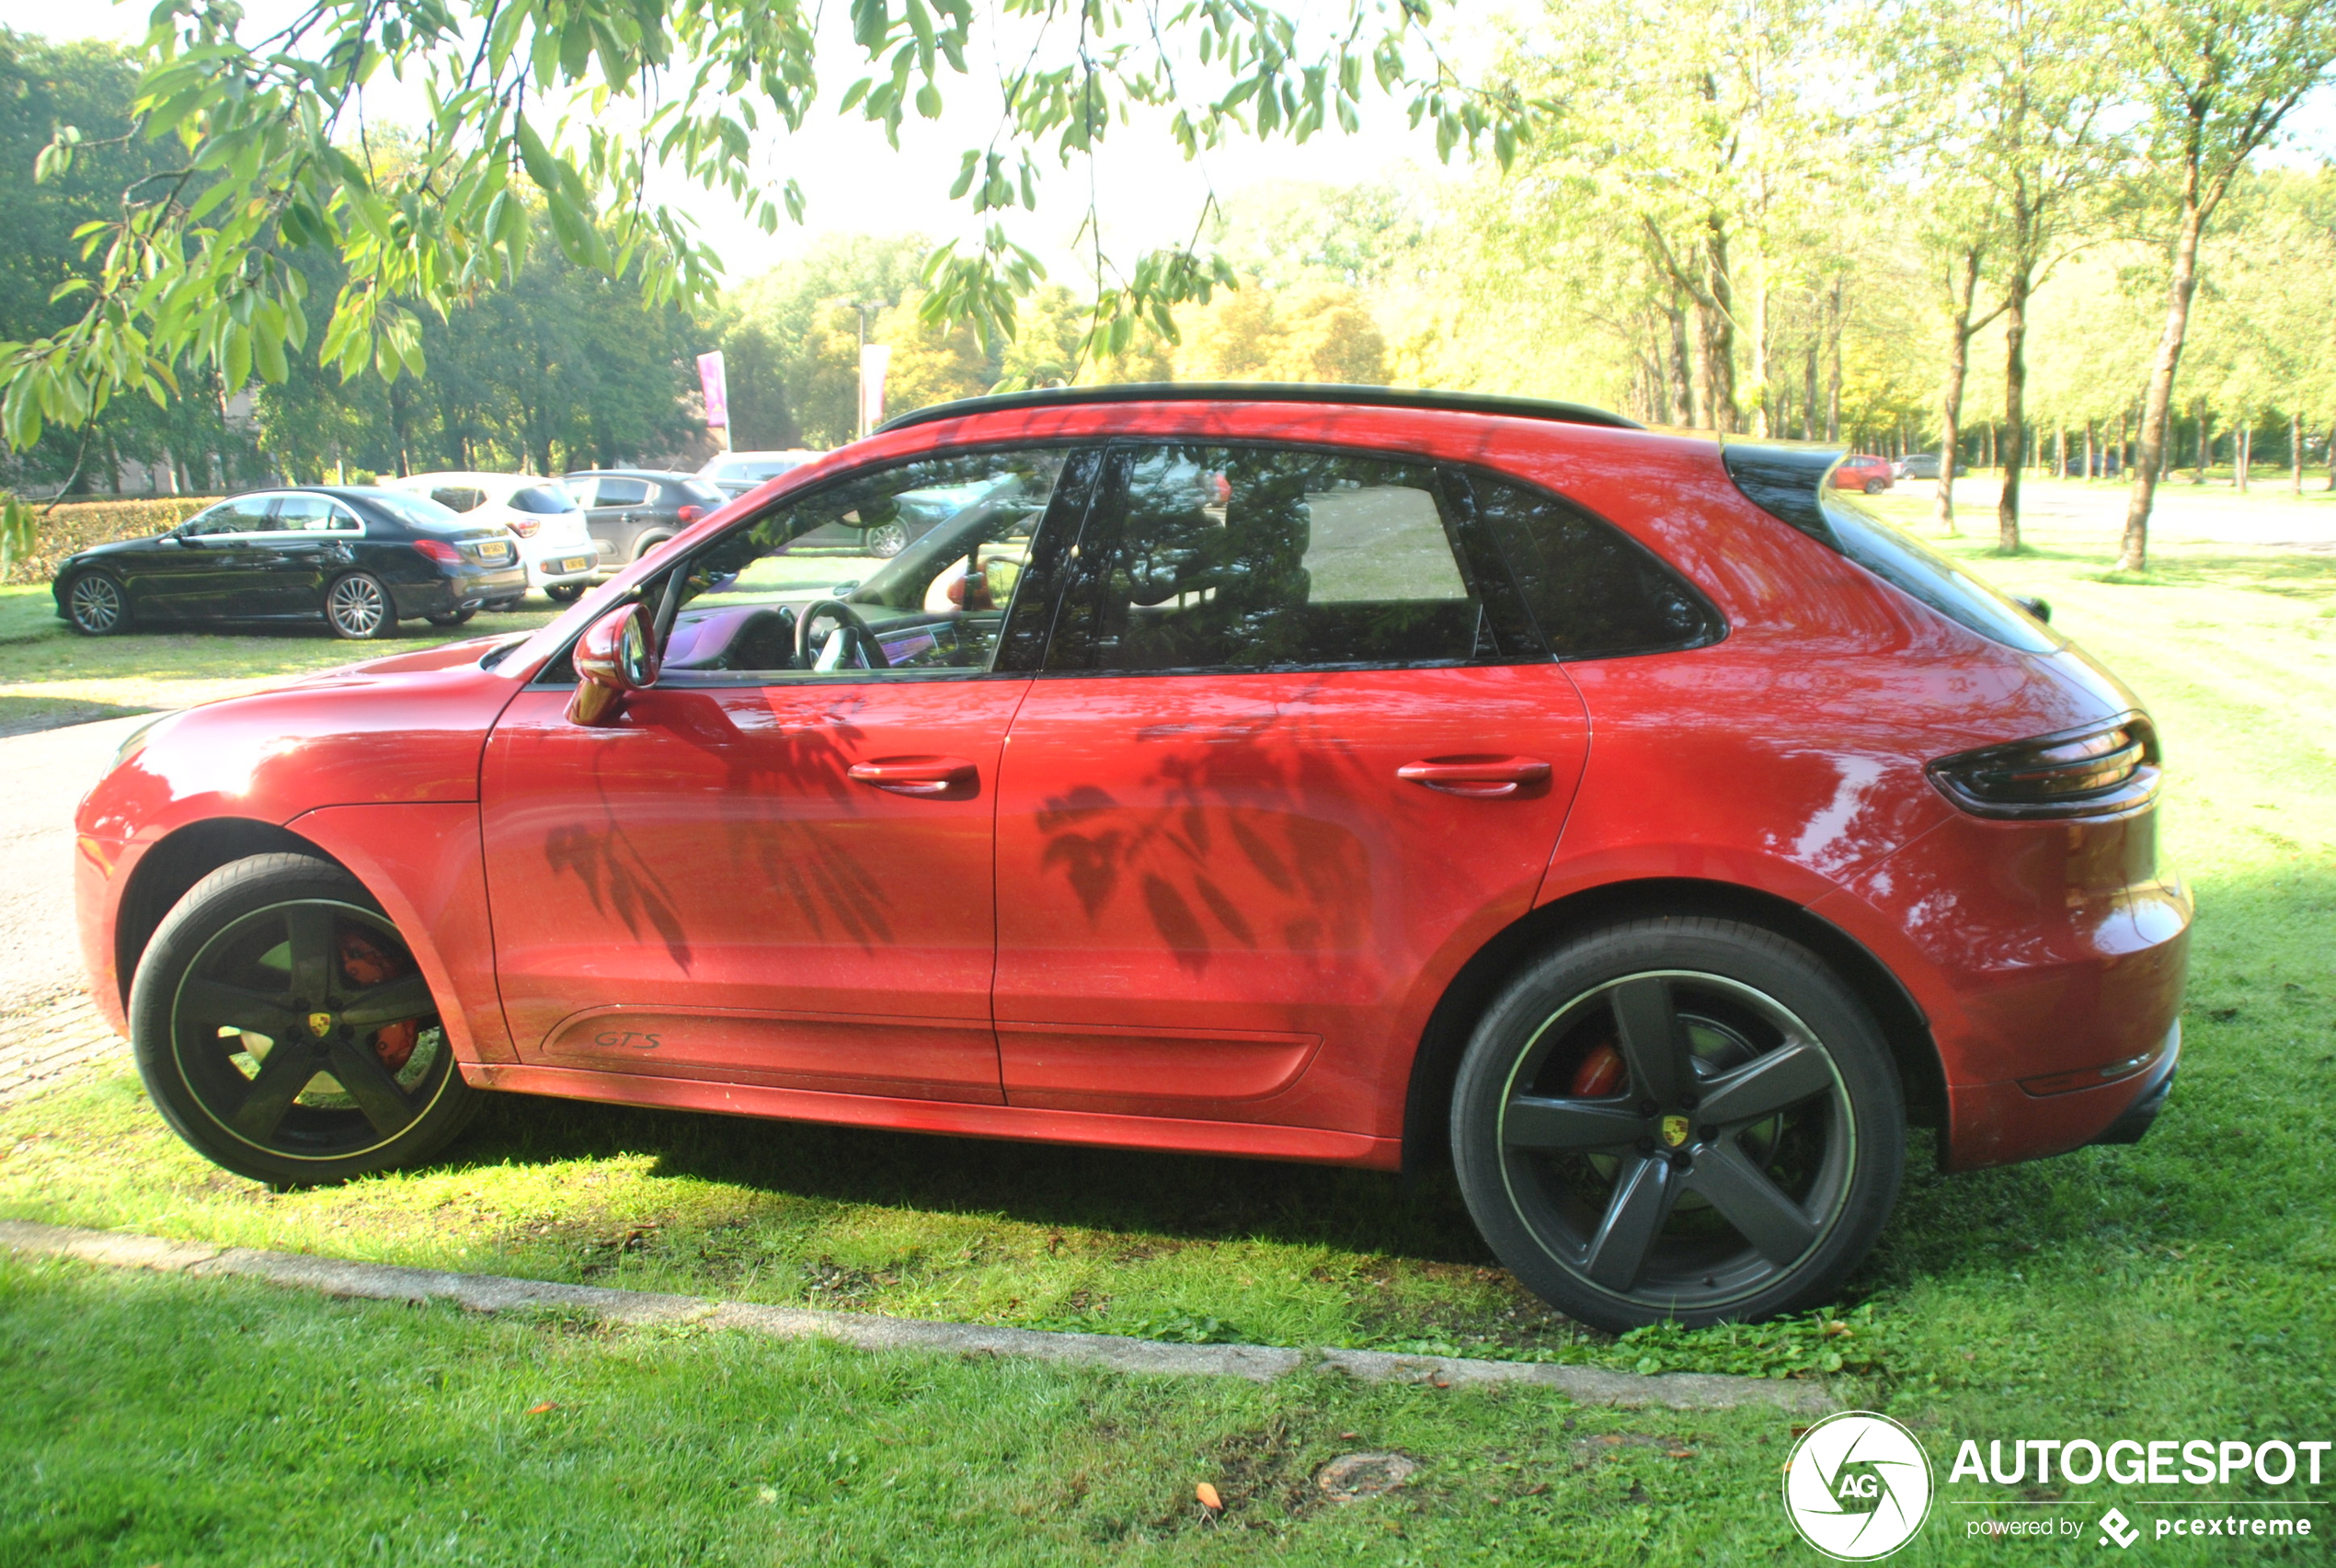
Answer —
849 630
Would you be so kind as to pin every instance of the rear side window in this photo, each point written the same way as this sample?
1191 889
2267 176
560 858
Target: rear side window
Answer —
458 497
1221 557
543 499
1595 591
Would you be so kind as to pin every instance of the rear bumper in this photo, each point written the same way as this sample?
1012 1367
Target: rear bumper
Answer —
544 561
1996 1123
457 589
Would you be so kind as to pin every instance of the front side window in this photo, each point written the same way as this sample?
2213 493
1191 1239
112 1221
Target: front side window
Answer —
608 492
1226 557
796 594
245 514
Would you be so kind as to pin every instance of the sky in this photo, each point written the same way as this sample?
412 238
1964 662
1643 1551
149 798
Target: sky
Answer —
1147 192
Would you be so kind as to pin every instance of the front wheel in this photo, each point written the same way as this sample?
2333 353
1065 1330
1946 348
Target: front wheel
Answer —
1874 486
886 539
1684 1119
283 1028
356 607
93 605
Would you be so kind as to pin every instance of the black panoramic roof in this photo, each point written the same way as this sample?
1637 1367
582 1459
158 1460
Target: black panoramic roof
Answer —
1270 391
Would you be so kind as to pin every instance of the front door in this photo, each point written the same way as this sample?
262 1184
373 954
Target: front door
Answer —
776 864
208 572
1294 755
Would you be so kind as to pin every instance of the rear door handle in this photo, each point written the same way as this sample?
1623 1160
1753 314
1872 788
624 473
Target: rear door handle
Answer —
1480 778
928 776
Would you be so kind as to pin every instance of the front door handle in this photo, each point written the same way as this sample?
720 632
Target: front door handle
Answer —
925 777
1480 778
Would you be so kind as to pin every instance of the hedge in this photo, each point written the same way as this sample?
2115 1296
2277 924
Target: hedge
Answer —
77 525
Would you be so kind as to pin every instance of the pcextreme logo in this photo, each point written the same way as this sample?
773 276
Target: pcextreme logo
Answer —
1857 1486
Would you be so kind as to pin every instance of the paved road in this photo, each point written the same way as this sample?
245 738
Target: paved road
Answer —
47 774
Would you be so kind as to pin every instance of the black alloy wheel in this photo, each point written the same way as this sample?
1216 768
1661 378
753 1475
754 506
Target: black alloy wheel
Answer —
93 605
453 617
284 1029
356 607
1684 1119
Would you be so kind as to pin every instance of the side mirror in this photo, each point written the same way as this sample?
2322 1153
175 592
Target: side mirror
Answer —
615 656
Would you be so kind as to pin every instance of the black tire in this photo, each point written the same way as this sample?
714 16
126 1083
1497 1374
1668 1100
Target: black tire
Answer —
1874 486
240 974
1597 1178
646 542
886 539
96 606
358 608
453 617
504 606
563 592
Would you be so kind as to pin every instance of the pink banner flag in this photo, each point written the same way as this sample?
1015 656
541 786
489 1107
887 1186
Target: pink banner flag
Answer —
717 382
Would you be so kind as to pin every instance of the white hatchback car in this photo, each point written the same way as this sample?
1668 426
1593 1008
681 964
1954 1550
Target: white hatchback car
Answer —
541 518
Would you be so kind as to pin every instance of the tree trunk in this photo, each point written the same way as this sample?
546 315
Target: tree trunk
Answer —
1809 392
2200 454
2295 451
2243 454
2015 417
1681 371
2088 473
1833 375
1951 393
2157 401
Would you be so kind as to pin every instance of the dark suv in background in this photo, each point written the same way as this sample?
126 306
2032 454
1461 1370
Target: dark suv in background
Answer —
632 511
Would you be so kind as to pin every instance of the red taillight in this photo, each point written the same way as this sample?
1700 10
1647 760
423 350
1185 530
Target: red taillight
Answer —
439 551
2096 771
689 514
524 527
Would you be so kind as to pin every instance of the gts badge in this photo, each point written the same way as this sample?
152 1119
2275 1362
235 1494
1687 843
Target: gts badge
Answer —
622 1039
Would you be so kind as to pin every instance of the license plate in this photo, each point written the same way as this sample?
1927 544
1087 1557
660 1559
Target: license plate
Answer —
495 550
573 564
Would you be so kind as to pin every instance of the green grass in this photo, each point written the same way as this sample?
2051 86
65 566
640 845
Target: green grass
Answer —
49 675
2180 1288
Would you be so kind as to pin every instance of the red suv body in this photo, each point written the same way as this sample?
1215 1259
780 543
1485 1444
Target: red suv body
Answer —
1860 472
1328 775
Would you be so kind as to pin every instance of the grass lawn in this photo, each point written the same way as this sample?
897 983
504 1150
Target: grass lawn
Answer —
50 676
2177 1289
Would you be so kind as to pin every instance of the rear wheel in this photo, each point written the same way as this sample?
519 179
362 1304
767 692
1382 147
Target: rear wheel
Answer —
1876 487
563 592
453 617
93 605
1687 1119
356 607
886 539
647 544
283 1028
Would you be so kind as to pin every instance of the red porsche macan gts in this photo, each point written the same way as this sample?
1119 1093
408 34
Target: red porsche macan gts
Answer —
1302 773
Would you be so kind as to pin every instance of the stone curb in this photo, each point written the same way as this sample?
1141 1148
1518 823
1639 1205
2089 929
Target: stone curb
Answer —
496 1293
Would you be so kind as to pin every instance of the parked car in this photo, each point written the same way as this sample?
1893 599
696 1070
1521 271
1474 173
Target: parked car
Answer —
1858 472
736 473
631 512
539 515
1216 778
1924 465
361 558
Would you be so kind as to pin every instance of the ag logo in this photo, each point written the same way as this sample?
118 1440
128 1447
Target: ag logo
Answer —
1857 1486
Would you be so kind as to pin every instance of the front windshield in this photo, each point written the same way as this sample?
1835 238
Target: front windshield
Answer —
910 569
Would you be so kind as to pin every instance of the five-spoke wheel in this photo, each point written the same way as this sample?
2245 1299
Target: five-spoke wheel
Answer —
284 1028
1690 1119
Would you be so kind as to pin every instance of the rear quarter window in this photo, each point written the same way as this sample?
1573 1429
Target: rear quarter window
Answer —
1593 591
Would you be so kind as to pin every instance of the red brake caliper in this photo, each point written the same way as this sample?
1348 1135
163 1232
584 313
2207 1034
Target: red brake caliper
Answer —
366 962
1600 1073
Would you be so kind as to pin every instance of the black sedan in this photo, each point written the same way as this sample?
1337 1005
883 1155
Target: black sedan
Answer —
362 558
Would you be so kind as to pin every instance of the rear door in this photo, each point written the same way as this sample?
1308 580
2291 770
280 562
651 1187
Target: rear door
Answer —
615 514
1296 753
293 559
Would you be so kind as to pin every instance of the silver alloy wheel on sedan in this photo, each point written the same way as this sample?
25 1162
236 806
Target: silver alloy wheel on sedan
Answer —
357 607
94 604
